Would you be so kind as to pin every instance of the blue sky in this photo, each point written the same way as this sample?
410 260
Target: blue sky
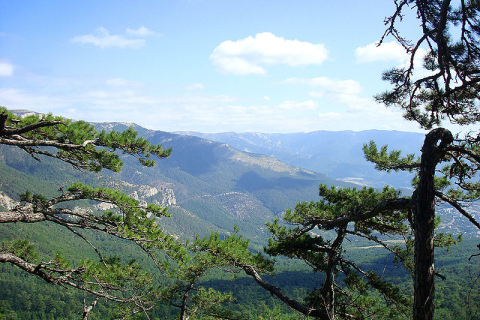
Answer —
202 65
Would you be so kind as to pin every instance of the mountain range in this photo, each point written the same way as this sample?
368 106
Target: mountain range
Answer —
207 186
213 182
337 154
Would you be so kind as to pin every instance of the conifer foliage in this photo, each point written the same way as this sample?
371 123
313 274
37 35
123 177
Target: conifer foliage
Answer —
78 144
450 37
450 91
446 171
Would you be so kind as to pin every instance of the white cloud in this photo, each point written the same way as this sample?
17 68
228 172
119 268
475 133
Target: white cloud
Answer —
393 51
334 105
344 104
329 88
140 32
195 86
388 51
365 114
13 98
6 69
236 66
344 107
120 82
249 55
207 113
298 106
103 39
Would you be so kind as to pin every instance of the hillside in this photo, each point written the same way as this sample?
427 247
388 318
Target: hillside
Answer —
221 185
208 186
337 154
212 186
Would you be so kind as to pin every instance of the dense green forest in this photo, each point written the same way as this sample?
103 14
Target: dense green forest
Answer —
25 296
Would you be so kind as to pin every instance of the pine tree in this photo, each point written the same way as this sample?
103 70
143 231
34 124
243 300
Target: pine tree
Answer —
447 171
451 90
80 145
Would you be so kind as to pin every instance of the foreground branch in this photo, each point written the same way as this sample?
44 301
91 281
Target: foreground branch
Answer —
21 216
319 313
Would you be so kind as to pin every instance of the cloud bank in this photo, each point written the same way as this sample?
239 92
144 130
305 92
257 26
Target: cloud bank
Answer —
6 69
250 55
335 105
102 38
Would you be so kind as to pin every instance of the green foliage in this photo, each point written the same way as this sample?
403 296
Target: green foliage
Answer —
387 161
129 143
315 232
77 142
450 91
338 206
234 250
316 235
275 313
208 254
30 298
33 198
450 34
21 248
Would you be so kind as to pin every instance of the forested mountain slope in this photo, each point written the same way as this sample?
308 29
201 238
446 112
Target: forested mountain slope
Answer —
212 186
220 184
335 153
208 186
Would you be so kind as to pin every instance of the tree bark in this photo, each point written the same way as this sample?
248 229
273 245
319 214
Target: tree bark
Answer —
183 308
328 292
424 224
27 266
19 216
315 313
89 308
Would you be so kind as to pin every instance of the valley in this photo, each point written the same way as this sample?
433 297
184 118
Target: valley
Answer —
213 186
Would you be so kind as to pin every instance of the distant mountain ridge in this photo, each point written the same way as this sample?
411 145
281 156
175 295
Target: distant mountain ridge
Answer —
335 153
219 185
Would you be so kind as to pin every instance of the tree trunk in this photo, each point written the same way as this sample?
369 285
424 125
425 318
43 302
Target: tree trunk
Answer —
328 292
183 308
89 308
424 224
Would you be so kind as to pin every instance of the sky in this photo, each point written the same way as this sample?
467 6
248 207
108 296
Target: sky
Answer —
272 66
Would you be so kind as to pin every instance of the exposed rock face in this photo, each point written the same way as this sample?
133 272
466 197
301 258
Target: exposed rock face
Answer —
147 191
134 195
7 202
168 198
144 192
103 206
82 210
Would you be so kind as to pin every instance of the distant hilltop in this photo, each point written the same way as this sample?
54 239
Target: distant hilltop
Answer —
25 113
337 154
